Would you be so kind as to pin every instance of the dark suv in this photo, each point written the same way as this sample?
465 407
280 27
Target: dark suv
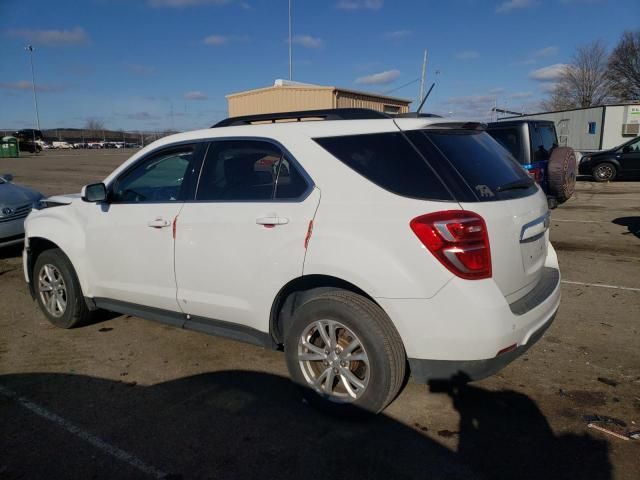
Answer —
534 144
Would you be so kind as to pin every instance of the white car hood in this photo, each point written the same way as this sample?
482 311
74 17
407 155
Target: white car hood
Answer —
63 199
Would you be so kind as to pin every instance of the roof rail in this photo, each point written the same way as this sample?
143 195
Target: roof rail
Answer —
326 114
417 115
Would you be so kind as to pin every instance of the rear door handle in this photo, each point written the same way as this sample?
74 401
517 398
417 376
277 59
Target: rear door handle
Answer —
159 223
272 221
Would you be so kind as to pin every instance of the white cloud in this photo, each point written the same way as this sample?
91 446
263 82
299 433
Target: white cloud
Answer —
27 85
75 36
381 78
467 55
360 4
398 34
511 5
548 74
219 40
186 3
307 41
546 52
195 95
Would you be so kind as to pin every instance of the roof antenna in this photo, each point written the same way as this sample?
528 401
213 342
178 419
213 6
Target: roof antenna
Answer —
425 98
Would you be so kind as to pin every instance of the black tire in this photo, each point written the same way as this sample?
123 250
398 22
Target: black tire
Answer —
561 173
604 172
76 311
374 331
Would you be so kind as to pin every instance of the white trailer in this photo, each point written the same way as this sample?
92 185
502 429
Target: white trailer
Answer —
593 128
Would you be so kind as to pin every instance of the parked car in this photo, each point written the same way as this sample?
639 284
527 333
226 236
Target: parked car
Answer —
534 144
15 204
607 165
371 248
62 145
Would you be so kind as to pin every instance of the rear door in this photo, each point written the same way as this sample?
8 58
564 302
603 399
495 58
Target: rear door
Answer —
243 238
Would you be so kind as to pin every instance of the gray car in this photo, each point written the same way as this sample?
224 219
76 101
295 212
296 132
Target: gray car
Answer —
15 204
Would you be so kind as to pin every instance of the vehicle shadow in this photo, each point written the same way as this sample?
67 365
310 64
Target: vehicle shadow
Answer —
12 251
244 425
632 223
503 434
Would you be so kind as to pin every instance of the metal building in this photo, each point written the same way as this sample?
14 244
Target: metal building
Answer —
286 96
593 128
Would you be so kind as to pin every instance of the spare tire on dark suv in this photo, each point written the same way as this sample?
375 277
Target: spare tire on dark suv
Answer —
534 144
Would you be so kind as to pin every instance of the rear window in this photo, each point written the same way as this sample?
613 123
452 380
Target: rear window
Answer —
461 165
543 141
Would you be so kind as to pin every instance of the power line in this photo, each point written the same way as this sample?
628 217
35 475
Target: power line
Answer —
401 86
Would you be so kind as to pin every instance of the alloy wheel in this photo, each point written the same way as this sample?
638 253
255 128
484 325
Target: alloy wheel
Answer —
52 290
333 361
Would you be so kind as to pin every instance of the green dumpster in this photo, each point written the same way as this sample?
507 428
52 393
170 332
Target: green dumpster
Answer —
9 147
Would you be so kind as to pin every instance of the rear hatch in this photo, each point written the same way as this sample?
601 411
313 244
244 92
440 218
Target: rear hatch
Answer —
484 178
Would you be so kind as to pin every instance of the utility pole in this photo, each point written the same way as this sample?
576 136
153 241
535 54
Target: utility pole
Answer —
29 48
424 71
290 57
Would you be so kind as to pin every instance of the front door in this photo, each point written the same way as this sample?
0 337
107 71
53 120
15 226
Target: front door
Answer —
130 238
629 157
244 236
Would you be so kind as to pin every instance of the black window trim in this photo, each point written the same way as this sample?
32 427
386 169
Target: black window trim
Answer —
195 165
303 173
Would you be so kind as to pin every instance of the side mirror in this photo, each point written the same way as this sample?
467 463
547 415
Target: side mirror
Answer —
7 177
626 149
96 192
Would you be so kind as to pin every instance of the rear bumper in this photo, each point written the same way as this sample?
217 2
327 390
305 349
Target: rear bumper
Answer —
464 326
425 371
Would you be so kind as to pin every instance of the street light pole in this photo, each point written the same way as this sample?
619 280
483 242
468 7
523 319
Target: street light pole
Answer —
290 67
29 48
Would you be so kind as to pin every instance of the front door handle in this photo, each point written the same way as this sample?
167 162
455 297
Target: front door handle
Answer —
272 221
159 223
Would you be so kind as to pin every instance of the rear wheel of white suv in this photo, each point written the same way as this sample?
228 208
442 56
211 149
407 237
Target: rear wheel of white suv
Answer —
58 290
345 354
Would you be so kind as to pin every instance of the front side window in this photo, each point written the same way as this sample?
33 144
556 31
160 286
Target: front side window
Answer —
248 170
633 147
157 179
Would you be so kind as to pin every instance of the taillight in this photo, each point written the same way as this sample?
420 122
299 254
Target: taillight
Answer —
536 174
457 238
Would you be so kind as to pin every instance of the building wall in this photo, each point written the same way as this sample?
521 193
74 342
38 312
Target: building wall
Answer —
614 119
573 127
280 99
353 100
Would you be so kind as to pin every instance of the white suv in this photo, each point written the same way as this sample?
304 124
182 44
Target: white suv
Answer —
365 247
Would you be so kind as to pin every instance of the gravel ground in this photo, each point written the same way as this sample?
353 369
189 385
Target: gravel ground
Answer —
129 398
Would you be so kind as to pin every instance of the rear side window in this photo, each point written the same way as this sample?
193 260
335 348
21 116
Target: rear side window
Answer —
509 138
389 161
478 160
248 170
543 141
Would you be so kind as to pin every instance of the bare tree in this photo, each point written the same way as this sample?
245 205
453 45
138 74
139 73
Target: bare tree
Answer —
624 68
584 82
95 127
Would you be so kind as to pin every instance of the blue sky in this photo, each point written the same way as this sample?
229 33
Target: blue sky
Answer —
131 63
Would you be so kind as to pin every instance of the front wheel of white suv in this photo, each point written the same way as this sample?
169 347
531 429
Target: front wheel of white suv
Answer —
58 290
345 354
